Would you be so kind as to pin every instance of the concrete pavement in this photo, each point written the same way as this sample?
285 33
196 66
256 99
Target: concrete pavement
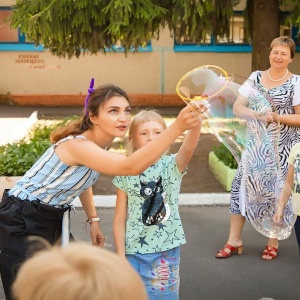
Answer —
46 112
203 277
206 223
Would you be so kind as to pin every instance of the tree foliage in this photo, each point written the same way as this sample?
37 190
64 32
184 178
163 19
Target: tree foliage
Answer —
74 27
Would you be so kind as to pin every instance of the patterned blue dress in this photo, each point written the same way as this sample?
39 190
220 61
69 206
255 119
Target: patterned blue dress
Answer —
283 99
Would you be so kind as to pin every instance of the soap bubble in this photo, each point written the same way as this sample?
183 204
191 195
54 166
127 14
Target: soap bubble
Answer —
248 131
212 85
263 180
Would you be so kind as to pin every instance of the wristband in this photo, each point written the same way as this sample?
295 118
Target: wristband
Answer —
93 219
90 220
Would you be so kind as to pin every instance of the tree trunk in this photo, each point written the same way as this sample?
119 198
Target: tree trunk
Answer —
265 29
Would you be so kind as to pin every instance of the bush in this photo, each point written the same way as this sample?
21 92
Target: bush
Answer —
17 158
223 154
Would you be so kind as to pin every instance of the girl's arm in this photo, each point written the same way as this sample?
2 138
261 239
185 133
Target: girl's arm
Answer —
83 152
285 194
187 148
288 119
87 201
120 222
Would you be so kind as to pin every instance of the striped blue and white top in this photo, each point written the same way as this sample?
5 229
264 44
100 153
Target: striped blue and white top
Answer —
52 181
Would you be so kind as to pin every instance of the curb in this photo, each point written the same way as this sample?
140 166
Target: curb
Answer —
211 199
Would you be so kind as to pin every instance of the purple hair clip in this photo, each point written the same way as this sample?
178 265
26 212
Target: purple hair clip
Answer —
90 90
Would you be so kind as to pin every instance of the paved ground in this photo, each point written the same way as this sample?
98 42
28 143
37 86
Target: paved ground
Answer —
15 111
243 277
203 277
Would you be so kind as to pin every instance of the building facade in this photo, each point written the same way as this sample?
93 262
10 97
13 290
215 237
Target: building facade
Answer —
33 76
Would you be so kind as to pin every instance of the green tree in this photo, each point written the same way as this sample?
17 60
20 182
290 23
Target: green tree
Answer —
73 28
263 19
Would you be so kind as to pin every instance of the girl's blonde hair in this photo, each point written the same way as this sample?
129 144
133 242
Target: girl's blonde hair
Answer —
284 41
143 116
78 272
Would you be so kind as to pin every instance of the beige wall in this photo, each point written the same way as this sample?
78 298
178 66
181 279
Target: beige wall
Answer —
49 74
152 75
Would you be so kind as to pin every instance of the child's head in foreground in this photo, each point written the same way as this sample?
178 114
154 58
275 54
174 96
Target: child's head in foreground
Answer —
78 272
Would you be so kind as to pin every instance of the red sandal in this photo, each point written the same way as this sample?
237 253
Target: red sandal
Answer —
269 251
224 254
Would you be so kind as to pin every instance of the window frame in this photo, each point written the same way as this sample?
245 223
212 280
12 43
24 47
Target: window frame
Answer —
21 44
213 46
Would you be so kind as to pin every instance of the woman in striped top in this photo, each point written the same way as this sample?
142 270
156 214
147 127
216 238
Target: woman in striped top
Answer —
36 204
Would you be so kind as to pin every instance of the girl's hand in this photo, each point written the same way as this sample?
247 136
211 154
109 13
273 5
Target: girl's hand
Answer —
189 116
97 236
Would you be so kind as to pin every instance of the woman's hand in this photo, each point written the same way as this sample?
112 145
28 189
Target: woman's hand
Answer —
278 215
264 115
189 116
274 117
97 236
270 117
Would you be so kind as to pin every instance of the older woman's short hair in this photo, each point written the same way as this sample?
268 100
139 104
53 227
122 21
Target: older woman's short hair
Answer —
284 41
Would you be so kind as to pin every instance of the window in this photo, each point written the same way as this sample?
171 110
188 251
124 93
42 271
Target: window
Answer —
237 41
11 39
7 35
237 33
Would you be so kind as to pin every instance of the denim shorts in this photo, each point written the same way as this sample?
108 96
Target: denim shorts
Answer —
159 272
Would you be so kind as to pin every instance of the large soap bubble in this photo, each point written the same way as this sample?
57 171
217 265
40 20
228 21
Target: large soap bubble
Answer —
250 137
212 85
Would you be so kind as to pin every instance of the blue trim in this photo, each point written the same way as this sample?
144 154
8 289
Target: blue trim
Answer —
147 48
294 33
31 47
222 48
22 38
20 47
213 48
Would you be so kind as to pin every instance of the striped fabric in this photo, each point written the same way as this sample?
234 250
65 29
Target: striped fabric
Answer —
53 182
284 98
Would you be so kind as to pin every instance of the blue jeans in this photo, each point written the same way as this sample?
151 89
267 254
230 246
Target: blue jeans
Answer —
159 272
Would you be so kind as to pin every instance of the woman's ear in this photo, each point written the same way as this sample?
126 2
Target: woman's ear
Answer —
93 119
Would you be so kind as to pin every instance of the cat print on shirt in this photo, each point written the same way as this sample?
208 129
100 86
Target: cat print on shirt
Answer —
154 208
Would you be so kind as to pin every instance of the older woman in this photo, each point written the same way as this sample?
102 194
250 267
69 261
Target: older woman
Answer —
284 89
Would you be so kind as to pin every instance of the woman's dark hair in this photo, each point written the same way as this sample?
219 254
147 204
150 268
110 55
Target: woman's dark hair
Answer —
95 101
